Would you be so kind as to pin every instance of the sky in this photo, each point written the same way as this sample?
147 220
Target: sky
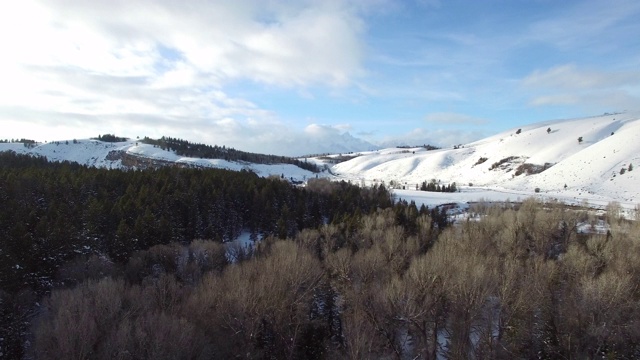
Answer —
302 76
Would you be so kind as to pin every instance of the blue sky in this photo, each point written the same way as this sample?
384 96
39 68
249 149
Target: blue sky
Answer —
292 77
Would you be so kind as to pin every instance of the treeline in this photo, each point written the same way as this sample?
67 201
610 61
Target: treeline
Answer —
186 148
425 146
336 159
513 283
436 187
110 138
23 140
53 212
28 143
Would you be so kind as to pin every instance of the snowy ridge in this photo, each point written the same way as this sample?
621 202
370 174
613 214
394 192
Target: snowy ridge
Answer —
96 153
85 152
590 169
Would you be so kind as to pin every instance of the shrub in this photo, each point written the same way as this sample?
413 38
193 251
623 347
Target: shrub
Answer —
531 169
110 138
86 268
537 190
614 212
497 164
480 161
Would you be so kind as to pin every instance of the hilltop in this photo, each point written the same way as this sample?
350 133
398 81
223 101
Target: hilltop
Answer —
135 154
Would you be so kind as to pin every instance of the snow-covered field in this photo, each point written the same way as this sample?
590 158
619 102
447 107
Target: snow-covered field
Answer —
469 195
576 172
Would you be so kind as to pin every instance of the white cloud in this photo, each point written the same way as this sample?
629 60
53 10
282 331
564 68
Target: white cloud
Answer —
434 137
556 99
570 77
288 44
585 24
586 88
73 68
275 137
343 127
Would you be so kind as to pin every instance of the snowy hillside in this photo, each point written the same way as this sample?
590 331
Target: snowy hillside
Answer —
105 154
544 159
546 156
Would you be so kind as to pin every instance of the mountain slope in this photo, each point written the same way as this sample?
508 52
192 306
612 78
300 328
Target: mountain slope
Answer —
552 158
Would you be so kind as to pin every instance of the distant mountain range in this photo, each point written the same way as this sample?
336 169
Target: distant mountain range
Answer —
334 143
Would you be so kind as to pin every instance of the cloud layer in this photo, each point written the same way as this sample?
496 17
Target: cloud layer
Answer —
570 85
435 137
166 65
260 75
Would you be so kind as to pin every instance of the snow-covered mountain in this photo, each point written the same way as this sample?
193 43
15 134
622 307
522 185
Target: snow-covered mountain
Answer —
325 140
133 154
544 156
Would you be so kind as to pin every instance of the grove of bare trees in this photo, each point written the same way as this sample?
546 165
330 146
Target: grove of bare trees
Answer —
524 281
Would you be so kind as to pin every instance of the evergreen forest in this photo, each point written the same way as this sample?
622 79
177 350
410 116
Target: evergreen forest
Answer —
186 148
111 264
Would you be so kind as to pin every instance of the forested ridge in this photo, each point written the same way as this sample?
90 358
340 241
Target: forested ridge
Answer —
186 148
371 279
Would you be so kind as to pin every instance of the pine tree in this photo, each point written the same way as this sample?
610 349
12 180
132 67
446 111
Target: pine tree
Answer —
121 247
